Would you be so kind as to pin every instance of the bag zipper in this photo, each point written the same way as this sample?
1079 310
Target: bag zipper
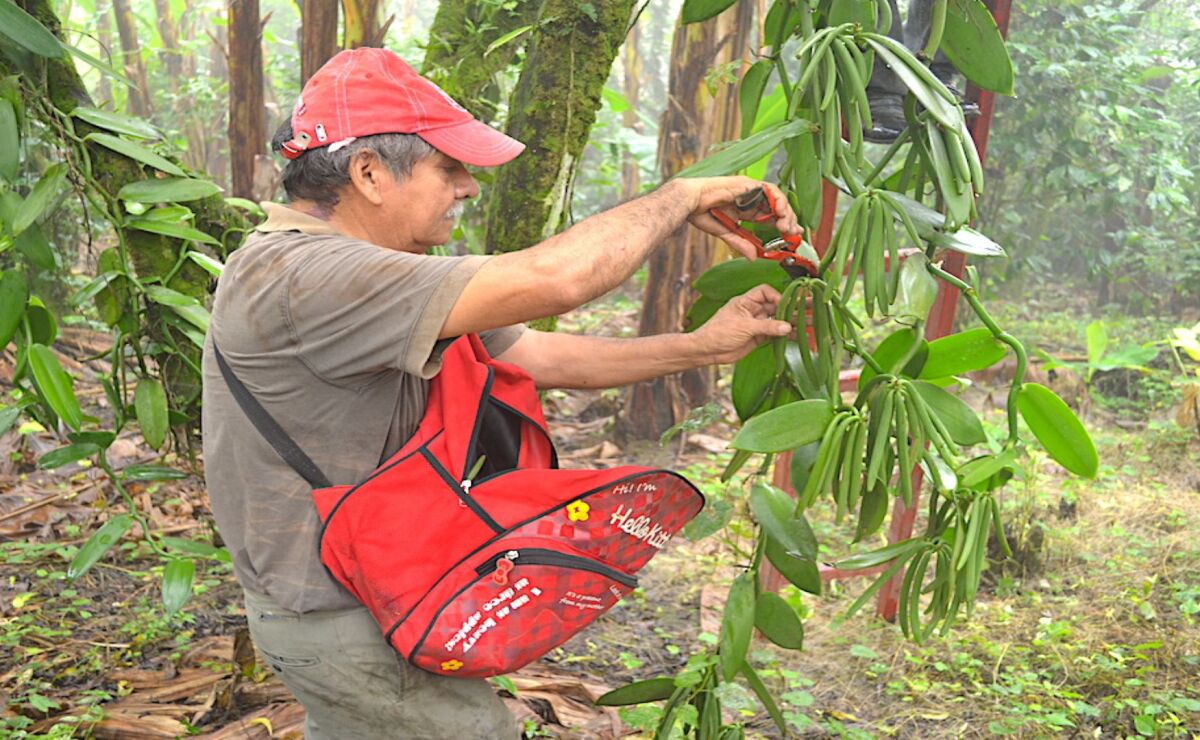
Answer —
502 565
465 480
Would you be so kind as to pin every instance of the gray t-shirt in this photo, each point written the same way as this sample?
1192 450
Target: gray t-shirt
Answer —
337 339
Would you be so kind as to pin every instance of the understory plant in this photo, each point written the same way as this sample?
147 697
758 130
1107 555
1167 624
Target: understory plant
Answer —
901 432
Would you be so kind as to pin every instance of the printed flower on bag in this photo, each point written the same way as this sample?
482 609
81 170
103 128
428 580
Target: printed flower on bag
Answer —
451 665
577 511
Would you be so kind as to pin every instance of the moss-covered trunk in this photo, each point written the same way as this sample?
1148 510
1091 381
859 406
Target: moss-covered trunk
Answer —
552 111
457 56
696 117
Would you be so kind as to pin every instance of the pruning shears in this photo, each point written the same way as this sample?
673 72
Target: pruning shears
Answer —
793 254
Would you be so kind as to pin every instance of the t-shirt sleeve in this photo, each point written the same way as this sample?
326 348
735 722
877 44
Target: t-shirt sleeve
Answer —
354 309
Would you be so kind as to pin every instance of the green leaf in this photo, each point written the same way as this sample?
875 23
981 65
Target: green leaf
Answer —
168 189
1097 342
105 68
752 376
506 38
168 297
98 544
972 41
785 427
116 122
736 276
173 214
150 402
929 224
800 572
55 385
212 266
701 311
67 455
750 93
918 289
776 619
892 349
177 584
93 288
775 511
197 316
136 152
615 100
1058 429
962 423
807 185
746 152
173 230
33 244
39 198
737 625
871 512
639 692
10 141
152 472
882 555
861 12
42 326
246 205
101 439
781 12
803 459
14 294
974 472
27 32
695 11
764 695
964 352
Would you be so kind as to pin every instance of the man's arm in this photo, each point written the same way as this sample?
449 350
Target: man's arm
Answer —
598 254
557 360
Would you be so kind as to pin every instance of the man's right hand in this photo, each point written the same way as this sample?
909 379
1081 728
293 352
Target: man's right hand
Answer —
706 193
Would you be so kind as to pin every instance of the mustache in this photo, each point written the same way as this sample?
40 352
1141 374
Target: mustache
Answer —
456 211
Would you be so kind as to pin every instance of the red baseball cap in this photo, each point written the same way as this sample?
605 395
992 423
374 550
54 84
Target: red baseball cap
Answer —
360 92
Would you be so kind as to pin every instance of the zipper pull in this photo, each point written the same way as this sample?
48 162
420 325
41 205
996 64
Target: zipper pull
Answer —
466 487
504 565
466 482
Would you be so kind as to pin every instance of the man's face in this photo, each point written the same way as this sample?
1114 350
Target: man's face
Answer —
423 208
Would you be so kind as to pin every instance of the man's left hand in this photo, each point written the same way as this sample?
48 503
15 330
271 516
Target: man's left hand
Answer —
741 325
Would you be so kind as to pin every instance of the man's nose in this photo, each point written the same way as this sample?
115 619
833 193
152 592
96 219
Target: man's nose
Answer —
467 187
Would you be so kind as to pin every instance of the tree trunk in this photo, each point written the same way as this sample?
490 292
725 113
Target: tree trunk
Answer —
104 89
457 56
170 54
135 68
631 177
363 23
318 35
695 119
552 111
247 116
152 255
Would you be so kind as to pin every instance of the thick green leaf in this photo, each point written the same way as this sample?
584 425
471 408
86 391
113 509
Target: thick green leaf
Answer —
98 544
27 32
42 326
929 224
747 151
152 472
776 512
764 695
8 417
116 122
737 625
972 41
918 289
55 385
67 455
177 584
33 244
752 376
1058 429
168 297
150 402
695 11
800 572
807 185
174 230
1097 342
105 68
894 348
861 12
137 152
776 619
172 213
782 12
701 311
93 288
734 277
639 692
101 439
212 266
10 142
803 458
981 469
168 189
14 294
772 110
785 427
882 555
964 352
750 94
196 315
199 549
39 197
962 423
871 512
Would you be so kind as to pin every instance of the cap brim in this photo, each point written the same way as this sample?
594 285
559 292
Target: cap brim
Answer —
474 143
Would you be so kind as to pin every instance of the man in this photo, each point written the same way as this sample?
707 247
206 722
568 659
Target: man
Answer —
334 317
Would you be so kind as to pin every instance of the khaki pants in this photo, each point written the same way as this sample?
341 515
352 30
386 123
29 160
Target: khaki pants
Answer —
354 685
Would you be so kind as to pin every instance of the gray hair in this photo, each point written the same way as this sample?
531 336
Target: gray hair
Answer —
318 174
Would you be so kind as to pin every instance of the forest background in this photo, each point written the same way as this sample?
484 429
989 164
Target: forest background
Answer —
1093 191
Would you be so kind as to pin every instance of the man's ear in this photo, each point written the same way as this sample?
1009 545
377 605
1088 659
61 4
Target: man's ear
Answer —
366 175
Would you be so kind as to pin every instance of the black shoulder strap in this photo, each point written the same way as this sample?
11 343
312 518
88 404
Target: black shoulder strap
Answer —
270 429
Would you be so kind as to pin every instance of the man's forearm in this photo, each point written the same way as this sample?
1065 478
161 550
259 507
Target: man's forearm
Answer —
573 361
